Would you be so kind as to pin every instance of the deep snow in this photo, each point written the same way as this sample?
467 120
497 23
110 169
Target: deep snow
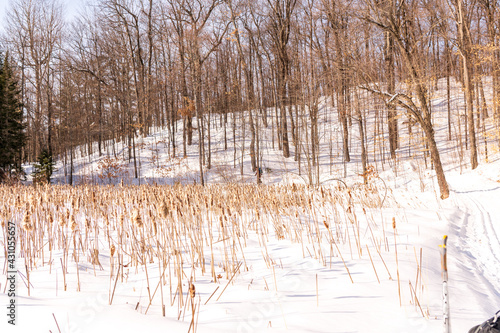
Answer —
253 302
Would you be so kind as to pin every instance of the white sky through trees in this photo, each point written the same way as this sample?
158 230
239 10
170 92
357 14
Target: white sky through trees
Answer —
71 8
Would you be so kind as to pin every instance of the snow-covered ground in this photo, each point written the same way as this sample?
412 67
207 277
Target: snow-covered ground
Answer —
379 279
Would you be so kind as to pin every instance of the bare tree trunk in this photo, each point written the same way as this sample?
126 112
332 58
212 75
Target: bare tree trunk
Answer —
343 117
362 137
136 174
281 12
448 87
198 111
392 120
283 106
465 52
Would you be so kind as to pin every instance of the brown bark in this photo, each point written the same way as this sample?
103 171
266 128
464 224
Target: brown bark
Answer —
467 61
392 120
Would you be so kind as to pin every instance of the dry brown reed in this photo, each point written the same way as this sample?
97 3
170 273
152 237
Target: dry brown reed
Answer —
185 229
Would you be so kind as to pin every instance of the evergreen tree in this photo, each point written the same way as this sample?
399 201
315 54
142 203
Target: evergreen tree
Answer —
12 136
44 168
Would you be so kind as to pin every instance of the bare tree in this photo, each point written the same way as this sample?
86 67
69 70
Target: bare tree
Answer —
34 30
280 21
199 17
391 85
405 39
461 14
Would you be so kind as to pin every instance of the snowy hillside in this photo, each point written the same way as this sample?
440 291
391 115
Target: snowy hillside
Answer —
343 257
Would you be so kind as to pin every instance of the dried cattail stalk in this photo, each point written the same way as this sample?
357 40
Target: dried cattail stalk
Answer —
163 210
27 225
94 257
192 290
74 225
136 217
326 224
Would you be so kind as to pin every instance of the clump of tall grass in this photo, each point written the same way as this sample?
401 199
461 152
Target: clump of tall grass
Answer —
179 229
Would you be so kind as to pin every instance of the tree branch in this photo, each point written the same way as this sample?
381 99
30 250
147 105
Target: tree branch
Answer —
397 99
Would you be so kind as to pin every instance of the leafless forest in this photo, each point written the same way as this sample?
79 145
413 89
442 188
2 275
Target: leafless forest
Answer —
123 67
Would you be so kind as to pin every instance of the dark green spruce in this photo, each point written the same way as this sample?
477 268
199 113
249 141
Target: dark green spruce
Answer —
44 168
12 136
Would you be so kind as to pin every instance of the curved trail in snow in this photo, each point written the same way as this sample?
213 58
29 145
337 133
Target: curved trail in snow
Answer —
477 241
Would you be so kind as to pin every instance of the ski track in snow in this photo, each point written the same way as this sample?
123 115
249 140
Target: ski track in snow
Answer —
477 242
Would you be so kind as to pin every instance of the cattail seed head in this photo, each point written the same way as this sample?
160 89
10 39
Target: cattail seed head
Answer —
27 225
73 225
163 210
393 223
136 217
112 249
192 290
